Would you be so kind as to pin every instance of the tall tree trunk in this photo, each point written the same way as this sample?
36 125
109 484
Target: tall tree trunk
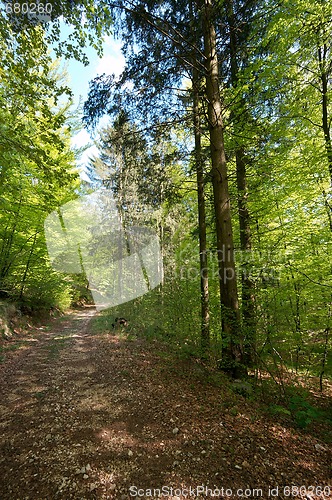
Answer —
232 353
248 293
326 122
248 286
324 76
6 260
25 274
204 280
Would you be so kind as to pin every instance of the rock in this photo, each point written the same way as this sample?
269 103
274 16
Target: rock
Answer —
130 453
93 486
319 447
85 476
175 431
238 467
88 467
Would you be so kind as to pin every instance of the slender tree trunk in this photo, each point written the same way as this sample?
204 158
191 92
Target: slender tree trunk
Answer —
204 280
6 261
326 345
248 286
326 125
248 294
324 76
232 354
161 237
27 266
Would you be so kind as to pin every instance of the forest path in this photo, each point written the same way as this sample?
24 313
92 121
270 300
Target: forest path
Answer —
86 415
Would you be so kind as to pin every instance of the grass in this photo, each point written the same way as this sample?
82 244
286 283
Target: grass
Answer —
100 324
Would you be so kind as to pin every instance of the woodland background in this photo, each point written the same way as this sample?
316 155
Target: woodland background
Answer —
219 138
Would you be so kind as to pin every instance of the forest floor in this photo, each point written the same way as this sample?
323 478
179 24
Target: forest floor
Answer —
88 415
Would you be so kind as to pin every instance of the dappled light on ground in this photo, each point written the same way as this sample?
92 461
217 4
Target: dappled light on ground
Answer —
88 415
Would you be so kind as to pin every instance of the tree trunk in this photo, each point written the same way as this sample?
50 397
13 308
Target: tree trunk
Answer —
322 58
248 295
248 292
232 353
25 274
324 77
204 280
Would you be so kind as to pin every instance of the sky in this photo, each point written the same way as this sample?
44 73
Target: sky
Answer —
80 75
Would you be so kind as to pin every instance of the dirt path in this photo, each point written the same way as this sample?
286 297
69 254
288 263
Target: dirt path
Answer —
90 416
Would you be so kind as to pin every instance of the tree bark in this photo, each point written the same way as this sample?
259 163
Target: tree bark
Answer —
204 280
247 288
232 353
25 274
324 76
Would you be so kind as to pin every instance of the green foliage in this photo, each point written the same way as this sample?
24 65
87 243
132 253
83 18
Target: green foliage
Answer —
298 407
88 20
158 315
283 79
277 79
279 410
277 110
36 169
303 412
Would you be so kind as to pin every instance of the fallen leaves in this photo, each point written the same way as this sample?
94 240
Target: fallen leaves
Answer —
115 413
